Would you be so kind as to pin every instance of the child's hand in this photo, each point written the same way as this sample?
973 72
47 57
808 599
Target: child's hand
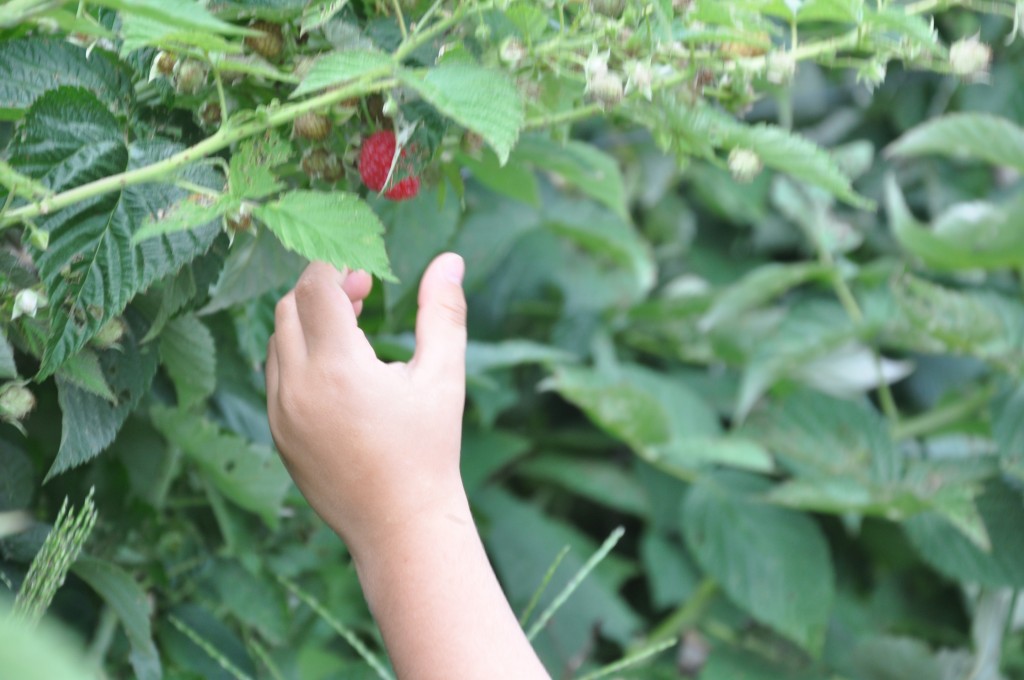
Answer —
372 446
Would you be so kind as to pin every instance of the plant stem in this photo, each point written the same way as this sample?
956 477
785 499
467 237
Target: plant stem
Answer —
228 134
938 418
687 615
396 5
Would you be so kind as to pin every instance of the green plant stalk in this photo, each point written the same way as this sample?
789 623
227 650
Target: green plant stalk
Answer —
369 657
372 82
631 659
687 615
543 586
936 419
210 650
573 584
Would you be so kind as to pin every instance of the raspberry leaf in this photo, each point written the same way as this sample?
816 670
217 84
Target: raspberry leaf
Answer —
338 228
977 136
188 352
341 67
771 561
91 270
250 475
479 99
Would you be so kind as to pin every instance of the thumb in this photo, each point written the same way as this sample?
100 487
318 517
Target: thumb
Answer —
441 319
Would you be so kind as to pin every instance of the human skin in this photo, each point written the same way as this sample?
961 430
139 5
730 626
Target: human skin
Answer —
374 447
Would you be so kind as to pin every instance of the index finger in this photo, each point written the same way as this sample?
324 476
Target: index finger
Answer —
325 311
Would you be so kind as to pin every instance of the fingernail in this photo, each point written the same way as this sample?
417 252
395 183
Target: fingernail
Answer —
454 267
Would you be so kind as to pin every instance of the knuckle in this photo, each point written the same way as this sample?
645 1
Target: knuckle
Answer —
454 310
283 309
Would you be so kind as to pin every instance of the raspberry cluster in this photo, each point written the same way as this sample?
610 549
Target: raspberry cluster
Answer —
375 162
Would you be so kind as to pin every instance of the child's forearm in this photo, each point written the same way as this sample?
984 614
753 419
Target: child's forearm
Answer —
438 604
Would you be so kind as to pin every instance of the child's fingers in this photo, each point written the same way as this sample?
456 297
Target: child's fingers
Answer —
288 330
272 370
325 311
441 320
357 286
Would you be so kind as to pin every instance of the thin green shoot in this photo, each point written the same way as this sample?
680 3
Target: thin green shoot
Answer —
543 586
210 650
631 659
573 584
342 630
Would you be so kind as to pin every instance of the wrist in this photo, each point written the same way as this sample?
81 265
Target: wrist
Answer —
436 522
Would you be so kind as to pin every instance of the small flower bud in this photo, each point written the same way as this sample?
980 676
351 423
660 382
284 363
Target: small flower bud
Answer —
781 67
606 89
210 115
744 164
970 59
16 401
26 303
596 65
638 78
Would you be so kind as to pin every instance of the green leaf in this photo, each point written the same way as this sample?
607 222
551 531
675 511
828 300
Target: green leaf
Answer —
90 422
188 353
820 436
340 67
523 541
159 22
808 331
583 166
603 232
773 562
191 212
31 66
659 417
484 452
759 287
604 483
944 547
83 370
257 263
802 159
416 231
90 269
18 481
967 236
337 228
126 599
978 136
1008 430
250 475
479 99
7 367
512 179
250 174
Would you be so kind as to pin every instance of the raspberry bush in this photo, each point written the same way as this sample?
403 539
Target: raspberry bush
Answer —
744 277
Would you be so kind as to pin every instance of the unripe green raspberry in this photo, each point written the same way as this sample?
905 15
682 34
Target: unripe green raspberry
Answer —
269 43
319 163
210 115
165 62
744 164
240 221
109 334
189 76
16 401
512 52
312 126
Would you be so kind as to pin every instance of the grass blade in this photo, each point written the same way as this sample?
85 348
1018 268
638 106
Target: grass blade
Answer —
543 586
339 628
631 659
571 587
210 650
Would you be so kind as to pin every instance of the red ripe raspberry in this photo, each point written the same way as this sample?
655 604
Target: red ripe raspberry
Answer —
375 162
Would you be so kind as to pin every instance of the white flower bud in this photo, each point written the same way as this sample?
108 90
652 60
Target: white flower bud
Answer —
970 58
638 78
744 164
596 65
606 89
27 302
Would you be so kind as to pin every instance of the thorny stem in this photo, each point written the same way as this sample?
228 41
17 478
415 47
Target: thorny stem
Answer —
228 134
